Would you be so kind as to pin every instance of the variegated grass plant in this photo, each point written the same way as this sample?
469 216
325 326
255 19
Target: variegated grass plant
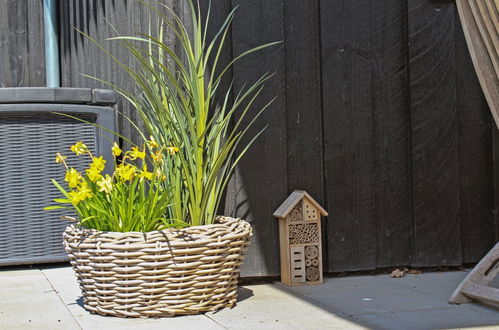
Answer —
177 106
133 198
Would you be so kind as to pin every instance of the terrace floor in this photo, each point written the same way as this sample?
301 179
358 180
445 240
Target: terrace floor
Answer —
49 298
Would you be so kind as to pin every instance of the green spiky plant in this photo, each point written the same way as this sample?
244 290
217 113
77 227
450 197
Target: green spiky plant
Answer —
178 108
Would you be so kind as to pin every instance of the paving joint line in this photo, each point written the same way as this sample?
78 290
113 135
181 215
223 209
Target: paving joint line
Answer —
60 298
215 321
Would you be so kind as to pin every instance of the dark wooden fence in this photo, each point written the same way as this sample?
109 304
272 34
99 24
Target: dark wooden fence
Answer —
22 59
379 116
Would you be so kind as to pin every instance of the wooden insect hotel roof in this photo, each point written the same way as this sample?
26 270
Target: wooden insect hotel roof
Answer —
293 199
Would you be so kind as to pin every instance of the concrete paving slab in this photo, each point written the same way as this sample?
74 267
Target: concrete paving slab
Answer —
28 301
277 309
97 322
377 302
382 297
434 319
412 302
353 301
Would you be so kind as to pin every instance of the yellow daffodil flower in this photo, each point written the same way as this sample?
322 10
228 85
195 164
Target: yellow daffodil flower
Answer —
98 163
160 175
59 159
82 193
84 190
79 148
73 178
96 167
125 171
75 197
105 184
172 150
136 153
157 156
93 174
152 143
145 174
116 150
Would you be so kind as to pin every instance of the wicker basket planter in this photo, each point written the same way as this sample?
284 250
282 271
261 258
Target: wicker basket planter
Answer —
160 273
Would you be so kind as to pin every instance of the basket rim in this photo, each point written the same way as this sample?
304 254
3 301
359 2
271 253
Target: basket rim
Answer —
81 229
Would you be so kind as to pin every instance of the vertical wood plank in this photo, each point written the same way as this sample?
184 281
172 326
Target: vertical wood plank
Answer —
218 14
391 108
475 125
80 56
434 133
22 50
260 184
303 99
348 134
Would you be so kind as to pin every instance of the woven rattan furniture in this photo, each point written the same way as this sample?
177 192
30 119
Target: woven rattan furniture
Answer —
30 135
160 273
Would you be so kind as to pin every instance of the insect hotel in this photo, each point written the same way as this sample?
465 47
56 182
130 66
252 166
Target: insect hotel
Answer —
300 239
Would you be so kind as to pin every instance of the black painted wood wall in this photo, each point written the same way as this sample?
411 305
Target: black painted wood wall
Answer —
379 116
22 59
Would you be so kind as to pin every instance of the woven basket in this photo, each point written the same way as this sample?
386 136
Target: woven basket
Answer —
159 273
